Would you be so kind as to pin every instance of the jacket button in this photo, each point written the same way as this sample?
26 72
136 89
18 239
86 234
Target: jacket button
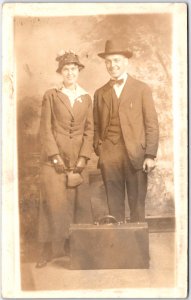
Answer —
70 137
70 131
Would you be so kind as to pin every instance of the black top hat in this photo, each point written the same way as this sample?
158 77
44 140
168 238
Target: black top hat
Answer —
68 57
115 47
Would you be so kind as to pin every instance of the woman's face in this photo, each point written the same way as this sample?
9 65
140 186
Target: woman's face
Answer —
70 74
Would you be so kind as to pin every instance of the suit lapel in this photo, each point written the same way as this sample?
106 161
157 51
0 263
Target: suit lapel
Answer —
66 101
126 94
106 109
79 105
107 95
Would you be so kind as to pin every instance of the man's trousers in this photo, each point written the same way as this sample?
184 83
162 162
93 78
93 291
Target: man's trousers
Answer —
119 175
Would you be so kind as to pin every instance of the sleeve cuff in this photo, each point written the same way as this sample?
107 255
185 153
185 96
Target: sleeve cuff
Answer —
86 158
51 157
150 156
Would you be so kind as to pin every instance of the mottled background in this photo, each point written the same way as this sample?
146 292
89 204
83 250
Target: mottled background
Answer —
37 42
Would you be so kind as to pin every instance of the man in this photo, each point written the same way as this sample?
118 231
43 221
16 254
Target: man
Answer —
126 135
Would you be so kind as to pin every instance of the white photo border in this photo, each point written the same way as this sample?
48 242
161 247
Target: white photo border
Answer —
10 212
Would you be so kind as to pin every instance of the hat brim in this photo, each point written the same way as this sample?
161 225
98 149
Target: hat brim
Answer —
79 65
127 54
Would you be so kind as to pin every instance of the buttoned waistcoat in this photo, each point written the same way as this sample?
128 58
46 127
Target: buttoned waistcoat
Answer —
64 129
138 119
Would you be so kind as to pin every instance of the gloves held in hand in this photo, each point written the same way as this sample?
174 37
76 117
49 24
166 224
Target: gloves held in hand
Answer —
81 163
58 164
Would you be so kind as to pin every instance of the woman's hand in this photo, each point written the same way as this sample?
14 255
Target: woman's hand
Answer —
58 163
81 163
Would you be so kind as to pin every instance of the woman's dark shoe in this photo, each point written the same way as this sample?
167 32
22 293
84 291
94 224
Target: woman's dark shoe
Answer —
41 263
45 255
43 260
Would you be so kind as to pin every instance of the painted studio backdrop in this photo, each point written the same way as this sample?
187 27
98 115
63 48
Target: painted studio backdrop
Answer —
37 42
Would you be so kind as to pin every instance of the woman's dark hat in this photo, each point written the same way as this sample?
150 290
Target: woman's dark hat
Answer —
68 57
115 47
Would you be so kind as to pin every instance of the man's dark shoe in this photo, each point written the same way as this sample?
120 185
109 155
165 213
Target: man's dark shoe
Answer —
58 249
67 247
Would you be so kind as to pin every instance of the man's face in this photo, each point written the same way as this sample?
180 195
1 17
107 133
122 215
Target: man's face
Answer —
116 64
70 74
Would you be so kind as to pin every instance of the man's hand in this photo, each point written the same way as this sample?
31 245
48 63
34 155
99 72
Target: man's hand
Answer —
97 149
58 164
81 163
148 165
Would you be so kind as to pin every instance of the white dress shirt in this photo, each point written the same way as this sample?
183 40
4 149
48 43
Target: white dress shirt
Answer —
74 95
119 87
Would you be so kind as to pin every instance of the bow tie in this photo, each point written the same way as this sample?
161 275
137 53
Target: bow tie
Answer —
116 81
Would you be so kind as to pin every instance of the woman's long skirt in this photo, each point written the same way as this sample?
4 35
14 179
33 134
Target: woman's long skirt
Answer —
60 206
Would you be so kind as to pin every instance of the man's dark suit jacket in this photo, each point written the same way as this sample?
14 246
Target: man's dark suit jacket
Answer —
138 119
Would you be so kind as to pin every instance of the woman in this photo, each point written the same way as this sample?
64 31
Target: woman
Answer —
66 132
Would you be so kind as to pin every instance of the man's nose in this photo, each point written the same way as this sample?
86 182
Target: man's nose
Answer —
113 64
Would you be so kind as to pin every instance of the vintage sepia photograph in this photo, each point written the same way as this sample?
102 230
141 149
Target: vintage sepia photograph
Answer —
94 150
